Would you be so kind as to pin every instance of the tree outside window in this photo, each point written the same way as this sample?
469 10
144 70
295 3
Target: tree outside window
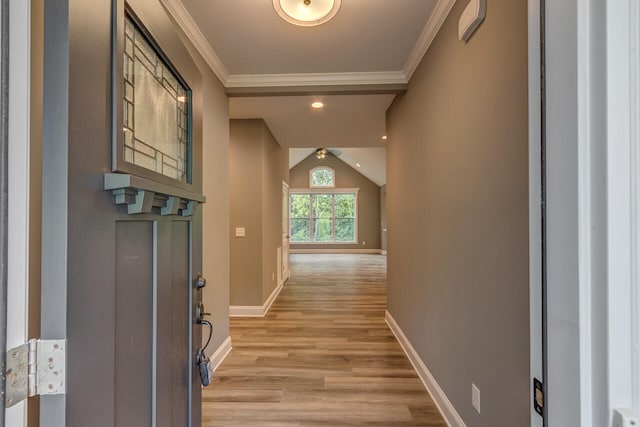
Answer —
322 176
326 217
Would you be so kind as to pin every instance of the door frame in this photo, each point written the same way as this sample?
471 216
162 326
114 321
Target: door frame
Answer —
285 273
576 204
595 87
535 202
18 183
623 178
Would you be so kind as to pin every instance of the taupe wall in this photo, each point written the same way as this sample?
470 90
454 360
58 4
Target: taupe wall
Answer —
346 177
457 200
257 168
245 166
215 213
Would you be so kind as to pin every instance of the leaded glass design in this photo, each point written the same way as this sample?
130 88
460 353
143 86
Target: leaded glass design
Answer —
156 109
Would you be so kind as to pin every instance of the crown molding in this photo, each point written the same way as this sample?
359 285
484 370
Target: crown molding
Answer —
177 10
315 90
440 12
316 79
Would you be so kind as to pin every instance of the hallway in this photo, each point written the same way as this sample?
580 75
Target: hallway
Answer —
323 355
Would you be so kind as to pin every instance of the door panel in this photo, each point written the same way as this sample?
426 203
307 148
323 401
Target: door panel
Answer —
163 353
181 325
174 322
134 322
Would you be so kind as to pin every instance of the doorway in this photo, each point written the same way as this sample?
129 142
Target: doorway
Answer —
285 271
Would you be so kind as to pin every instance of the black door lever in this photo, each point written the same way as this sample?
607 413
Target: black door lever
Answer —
200 313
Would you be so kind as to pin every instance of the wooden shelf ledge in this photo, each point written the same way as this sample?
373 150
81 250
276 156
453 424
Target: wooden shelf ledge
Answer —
141 195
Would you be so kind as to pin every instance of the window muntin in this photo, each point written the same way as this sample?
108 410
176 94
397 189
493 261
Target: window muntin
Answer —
322 177
299 217
345 218
323 217
156 114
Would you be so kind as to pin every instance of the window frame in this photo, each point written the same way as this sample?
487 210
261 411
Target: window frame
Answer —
332 192
317 168
119 164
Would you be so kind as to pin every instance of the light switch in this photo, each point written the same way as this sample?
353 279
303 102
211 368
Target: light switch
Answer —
239 231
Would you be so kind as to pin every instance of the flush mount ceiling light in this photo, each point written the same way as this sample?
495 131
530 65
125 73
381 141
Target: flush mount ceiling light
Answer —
317 104
307 13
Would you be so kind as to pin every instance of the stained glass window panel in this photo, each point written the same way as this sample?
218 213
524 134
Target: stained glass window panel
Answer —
156 109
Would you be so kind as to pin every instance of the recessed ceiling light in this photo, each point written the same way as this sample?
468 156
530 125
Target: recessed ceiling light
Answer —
358 164
384 137
307 13
317 104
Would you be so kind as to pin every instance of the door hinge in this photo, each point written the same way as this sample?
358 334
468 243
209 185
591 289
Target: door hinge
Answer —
37 367
538 397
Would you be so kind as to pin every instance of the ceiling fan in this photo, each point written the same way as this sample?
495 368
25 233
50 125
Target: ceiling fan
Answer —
321 153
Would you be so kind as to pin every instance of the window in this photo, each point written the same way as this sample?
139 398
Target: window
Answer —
323 216
322 176
156 116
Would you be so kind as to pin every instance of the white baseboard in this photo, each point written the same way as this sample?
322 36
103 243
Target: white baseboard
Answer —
221 353
335 251
445 407
255 310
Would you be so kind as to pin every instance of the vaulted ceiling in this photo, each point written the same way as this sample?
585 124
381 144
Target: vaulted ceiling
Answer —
355 64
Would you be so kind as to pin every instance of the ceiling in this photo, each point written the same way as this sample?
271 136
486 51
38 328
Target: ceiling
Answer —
371 161
344 121
249 37
356 64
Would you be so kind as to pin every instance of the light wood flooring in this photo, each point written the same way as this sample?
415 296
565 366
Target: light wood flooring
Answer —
323 356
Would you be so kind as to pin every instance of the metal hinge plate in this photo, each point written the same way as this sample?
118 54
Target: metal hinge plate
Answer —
538 396
37 367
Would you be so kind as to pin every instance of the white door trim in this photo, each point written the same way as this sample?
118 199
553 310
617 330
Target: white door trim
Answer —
623 180
18 203
535 205
576 168
285 267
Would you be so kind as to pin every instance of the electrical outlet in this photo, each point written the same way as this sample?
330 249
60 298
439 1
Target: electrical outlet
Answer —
273 276
364 243
475 397
240 232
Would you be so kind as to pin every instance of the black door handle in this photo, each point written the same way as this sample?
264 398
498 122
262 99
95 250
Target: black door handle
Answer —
199 315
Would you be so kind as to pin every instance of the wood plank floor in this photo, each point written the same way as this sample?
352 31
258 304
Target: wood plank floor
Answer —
323 356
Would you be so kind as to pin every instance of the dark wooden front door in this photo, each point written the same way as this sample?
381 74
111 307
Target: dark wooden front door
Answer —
117 282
